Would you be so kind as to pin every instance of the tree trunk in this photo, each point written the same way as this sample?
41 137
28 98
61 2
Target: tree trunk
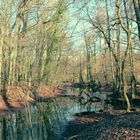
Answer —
125 88
136 4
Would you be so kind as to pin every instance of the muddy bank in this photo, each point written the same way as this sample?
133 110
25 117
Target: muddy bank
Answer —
114 125
20 97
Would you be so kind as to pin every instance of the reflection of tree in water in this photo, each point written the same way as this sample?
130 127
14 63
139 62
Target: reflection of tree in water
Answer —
24 125
87 95
89 98
44 121
4 133
20 119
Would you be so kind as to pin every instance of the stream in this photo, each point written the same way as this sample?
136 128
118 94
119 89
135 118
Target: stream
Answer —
45 120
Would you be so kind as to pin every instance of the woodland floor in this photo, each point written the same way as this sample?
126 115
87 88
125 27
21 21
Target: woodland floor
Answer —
112 125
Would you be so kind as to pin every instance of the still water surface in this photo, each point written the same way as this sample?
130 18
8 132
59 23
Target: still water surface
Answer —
44 121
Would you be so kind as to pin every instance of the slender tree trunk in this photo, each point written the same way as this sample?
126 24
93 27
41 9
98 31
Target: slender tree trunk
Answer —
118 67
136 4
128 34
125 87
133 77
80 74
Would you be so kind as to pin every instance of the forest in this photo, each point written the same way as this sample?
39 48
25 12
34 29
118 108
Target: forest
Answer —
69 69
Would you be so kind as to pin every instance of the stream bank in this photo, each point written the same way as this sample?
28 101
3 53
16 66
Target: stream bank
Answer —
21 97
72 115
117 125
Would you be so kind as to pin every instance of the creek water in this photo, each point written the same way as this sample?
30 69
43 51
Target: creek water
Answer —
45 120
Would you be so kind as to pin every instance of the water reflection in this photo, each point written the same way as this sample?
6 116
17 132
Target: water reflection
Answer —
44 121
